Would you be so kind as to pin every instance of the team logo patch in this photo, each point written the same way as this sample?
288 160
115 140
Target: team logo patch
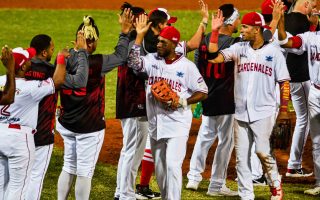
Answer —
243 56
180 74
200 80
155 66
269 58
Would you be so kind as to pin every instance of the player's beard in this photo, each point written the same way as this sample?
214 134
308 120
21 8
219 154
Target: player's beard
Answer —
163 52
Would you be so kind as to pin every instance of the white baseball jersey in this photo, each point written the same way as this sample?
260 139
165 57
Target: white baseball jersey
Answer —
185 79
311 44
24 110
181 48
256 73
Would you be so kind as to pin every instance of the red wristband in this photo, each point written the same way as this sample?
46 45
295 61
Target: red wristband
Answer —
61 59
214 37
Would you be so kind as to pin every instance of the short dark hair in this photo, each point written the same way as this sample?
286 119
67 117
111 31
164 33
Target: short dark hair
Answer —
157 17
227 10
40 42
92 23
135 10
267 17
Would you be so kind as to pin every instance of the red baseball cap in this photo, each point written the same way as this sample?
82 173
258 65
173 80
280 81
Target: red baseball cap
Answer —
21 56
170 33
266 7
170 19
254 19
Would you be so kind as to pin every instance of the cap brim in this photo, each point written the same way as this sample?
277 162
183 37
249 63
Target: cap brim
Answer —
172 20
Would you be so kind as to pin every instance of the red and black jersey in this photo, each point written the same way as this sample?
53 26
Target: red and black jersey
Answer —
82 109
41 70
131 95
218 77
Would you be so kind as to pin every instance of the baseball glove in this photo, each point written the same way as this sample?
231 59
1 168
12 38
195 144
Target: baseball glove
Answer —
281 134
163 93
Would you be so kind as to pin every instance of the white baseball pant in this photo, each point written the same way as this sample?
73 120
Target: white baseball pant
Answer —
314 109
211 128
135 132
81 151
245 134
38 171
168 155
256 166
16 159
299 95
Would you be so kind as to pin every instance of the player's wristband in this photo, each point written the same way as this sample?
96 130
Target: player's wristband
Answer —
204 24
285 41
61 59
214 37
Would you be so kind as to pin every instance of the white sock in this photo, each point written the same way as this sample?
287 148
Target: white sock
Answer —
64 185
83 188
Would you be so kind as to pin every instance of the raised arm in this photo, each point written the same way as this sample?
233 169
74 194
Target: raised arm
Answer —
7 95
195 40
214 56
134 60
278 11
60 71
216 24
78 77
120 55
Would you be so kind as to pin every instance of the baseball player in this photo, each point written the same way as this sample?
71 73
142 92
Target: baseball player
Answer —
8 91
131 110
310 43
18 123
41 69
160 18
297 22
258 65
184 79
81 123
218 110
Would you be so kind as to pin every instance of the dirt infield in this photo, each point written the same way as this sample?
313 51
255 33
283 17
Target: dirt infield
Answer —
113 138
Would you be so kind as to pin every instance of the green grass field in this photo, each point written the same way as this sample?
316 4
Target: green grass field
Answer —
18 26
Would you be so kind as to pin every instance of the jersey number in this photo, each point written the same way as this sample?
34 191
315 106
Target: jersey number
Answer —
4 111
218 70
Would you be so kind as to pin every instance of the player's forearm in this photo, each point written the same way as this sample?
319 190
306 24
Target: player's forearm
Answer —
195 41
9 89
80 78
134 60
119 57
215 57
60 72
282 35
213 43
196 97
284 95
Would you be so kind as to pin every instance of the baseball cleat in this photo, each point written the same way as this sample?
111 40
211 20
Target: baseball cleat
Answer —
276 193
144 192
314 191
296 173
224 191
192 185
262 181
